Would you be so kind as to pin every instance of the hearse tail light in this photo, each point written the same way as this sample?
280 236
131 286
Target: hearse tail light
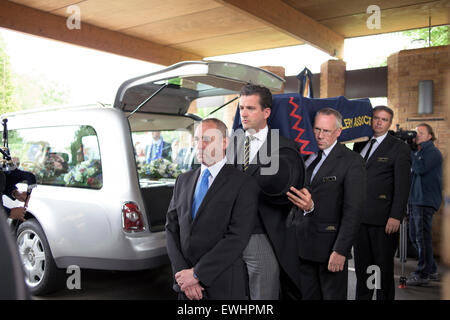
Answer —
132 219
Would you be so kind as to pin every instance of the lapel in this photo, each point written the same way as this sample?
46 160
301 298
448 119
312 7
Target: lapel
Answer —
212 191
382 148
330 162
190 188
239 154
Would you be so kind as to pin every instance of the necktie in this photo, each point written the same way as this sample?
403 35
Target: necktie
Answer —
312 166
200 192
366 157
247 152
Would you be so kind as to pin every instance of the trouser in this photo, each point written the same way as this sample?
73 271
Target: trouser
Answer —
317 283
263 269
373 247
420 220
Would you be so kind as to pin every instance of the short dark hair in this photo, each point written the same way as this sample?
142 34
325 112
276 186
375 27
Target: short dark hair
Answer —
329 112
265 96
429 129
384 108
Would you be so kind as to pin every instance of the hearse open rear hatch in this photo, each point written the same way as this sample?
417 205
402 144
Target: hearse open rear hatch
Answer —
184 82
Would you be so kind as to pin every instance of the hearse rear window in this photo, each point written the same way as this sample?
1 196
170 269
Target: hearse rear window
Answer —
66 156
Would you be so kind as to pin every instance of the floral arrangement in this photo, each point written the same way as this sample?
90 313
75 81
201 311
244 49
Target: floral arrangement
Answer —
159 168
85 174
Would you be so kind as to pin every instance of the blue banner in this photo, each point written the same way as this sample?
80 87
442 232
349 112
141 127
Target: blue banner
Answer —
294 116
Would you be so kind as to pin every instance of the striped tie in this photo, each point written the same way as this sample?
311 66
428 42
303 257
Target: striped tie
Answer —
247 152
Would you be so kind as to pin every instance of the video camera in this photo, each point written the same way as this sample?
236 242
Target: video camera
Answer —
408 136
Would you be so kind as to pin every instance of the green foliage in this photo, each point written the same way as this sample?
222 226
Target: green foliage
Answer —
7 97
439 35
22 91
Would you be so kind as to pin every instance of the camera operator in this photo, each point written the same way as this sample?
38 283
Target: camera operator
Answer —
424 200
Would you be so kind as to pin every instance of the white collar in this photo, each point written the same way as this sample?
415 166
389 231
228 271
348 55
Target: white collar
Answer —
261 135
327 151
215 168
380 138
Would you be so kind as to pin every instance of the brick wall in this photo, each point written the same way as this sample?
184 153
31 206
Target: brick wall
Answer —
332 78
446 216
405 69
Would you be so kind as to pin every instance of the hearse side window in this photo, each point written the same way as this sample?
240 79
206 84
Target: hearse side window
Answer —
66 156
162 155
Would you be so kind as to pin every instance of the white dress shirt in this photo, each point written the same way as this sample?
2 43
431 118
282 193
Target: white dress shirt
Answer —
213 170
379 140
325 154
257 141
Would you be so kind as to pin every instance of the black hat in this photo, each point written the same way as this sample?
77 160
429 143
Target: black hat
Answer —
275 186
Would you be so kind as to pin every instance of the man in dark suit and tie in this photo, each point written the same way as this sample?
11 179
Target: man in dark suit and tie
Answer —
209 222
327 224
388 166
275 163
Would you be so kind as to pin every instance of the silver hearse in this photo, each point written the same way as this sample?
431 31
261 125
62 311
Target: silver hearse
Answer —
102 194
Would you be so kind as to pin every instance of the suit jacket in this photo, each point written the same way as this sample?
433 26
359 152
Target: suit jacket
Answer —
338 191
213 242
274 206
389 179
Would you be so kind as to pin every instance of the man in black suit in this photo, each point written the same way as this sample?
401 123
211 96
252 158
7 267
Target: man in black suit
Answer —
209 222
388 166
327 224
275 163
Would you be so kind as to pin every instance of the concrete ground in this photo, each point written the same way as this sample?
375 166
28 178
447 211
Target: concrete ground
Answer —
156 285
428 292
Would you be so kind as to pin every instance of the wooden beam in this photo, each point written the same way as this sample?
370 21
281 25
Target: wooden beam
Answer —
21 18
289 20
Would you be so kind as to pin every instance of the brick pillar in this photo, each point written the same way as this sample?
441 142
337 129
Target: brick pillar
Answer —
332 78
405 69
446 215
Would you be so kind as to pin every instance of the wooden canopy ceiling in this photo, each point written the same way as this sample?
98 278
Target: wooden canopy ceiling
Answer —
169 31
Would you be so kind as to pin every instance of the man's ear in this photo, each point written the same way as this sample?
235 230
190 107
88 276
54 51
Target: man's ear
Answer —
339 132
267 112
226 141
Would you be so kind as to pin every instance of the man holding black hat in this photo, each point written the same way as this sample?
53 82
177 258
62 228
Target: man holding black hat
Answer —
326 231
276 165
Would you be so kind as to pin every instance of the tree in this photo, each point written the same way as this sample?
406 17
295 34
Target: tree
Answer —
7 96
35 90
439 36
22 91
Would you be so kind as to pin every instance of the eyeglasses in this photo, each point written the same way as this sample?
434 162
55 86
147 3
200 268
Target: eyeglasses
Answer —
325 132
